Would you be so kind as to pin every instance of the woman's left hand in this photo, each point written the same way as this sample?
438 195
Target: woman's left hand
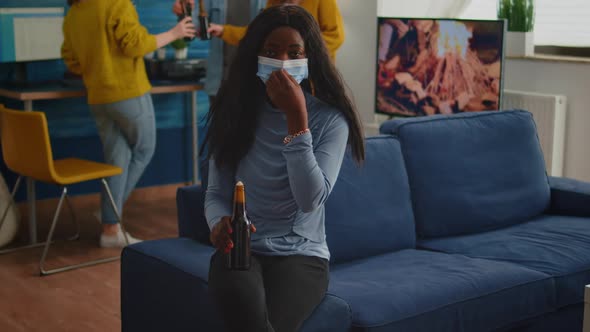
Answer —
286 94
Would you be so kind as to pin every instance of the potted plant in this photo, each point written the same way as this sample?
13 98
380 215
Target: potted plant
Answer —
180 49
520 15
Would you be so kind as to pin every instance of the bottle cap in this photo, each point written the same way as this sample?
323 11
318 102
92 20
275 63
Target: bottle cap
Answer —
239 195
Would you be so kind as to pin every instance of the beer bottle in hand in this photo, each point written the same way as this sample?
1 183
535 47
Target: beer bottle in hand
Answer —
186 12
239 255
203 22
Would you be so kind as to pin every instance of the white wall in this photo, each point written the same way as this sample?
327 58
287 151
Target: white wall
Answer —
571 80
422 8
356 57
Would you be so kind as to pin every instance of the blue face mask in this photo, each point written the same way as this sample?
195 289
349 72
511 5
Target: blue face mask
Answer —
295 68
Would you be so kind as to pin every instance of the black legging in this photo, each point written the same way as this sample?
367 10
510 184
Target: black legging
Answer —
277 294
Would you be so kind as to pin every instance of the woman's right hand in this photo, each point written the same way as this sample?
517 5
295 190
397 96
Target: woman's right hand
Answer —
184 28
215 30
220 235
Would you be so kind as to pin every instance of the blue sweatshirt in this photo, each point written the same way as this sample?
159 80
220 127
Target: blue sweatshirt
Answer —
286 184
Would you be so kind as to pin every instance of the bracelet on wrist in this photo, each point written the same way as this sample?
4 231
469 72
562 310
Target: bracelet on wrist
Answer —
289 138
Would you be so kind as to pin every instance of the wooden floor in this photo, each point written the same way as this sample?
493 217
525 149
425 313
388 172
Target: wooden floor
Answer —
85 299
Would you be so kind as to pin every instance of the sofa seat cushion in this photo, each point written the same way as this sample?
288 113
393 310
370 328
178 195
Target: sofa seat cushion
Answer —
472 172
419 290
556 245
164 288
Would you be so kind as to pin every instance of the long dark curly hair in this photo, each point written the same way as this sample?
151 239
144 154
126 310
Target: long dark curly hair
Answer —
233 117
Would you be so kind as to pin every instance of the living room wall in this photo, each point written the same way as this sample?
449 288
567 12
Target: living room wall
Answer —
356 57
567 78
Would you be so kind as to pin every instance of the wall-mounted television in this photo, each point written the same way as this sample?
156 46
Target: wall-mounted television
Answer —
431 66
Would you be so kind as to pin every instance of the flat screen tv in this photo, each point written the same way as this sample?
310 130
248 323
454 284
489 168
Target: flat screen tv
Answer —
438 66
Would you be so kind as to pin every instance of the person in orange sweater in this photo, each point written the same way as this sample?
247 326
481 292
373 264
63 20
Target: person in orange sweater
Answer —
325 12
105 44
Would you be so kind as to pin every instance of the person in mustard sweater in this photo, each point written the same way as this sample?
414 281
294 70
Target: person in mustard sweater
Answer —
105 44
325 12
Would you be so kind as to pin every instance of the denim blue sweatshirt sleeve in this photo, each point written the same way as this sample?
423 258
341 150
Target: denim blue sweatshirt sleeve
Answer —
313 171
286 184
219 194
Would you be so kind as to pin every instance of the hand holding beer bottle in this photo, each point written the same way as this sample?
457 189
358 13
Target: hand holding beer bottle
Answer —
204 31
186 10
232 234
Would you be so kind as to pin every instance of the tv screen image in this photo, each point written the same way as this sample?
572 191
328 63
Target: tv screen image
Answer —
438 66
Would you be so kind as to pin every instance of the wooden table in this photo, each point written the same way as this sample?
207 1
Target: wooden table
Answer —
39 92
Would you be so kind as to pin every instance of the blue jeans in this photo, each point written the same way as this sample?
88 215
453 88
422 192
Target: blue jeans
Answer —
127 130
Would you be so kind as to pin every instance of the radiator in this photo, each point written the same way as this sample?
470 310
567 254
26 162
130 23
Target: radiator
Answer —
549 115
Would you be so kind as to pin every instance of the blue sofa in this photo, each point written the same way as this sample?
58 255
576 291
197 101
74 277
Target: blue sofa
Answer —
450 225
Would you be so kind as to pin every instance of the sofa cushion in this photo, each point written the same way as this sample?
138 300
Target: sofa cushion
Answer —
556 245
416 290
472 172
164 288
190 205
369 211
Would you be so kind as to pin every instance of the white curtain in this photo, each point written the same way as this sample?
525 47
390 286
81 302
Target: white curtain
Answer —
422 8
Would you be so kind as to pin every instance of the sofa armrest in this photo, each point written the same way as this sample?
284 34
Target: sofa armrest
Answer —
164 287
190 202
569 197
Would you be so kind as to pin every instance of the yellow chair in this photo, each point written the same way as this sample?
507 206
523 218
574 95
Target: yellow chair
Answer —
27 152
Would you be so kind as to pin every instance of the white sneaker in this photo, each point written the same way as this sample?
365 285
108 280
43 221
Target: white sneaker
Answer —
117 240
98 216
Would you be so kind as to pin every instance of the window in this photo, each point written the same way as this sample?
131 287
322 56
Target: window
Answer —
559 25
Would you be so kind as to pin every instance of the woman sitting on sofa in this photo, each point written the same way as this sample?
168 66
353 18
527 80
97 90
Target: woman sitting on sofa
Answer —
285 142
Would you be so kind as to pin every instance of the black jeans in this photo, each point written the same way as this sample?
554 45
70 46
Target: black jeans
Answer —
277 294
